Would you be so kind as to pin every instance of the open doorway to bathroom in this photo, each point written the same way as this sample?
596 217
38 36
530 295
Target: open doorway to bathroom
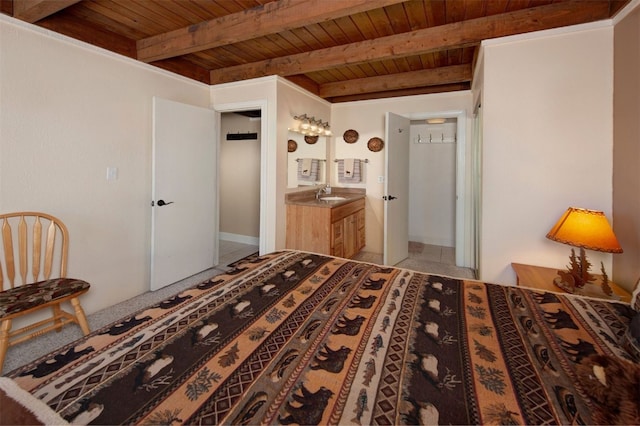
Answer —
436 231
432 196
239 183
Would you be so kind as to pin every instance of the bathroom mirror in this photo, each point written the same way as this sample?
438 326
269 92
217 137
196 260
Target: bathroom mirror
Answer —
302 153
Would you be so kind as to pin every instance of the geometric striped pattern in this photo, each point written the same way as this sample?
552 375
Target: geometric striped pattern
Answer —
294 337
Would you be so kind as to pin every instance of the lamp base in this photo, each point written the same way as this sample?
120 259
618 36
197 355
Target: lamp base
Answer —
577 276
590 289
567 286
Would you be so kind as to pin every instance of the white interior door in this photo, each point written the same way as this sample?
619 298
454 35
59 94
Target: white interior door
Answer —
396 193
183 219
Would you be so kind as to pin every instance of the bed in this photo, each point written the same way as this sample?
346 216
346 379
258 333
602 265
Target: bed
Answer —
299 338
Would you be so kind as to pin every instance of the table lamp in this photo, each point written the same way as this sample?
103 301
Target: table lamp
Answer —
586 229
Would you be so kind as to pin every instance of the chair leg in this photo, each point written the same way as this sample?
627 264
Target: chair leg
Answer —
4 340
82 319
57 317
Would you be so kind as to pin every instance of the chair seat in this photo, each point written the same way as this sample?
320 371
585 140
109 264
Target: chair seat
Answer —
29 296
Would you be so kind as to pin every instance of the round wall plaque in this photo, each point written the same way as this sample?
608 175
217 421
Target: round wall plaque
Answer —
310 139
350 136
375 144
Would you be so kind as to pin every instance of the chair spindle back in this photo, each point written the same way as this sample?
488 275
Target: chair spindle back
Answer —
42 242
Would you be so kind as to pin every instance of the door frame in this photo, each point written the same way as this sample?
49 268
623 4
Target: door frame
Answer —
267 172
463 249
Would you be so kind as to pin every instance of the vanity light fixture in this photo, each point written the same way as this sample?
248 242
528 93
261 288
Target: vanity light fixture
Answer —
436 120
309 126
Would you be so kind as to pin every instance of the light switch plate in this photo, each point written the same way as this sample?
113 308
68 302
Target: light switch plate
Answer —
112 173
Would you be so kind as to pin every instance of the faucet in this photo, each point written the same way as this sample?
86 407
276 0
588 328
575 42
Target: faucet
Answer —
322 189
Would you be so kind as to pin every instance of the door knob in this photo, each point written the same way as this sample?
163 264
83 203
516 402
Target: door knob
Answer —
389 197
163 203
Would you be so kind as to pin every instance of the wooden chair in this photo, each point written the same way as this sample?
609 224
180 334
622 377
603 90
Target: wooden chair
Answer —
38 242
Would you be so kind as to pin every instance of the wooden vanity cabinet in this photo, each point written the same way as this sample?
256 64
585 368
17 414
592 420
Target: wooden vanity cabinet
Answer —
338 231
361 233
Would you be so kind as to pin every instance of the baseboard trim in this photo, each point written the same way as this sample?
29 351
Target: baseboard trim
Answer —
237 238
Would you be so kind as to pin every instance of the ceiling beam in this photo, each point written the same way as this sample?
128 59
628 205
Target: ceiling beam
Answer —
185 68
404 92
305 82
428 40
273 17
97 36
34 10
398 81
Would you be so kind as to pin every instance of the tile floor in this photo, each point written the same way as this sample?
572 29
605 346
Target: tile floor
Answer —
426 258
230 251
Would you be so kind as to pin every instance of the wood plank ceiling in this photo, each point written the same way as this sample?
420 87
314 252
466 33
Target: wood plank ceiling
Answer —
341 50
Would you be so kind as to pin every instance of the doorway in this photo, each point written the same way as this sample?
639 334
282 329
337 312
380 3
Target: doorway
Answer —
462 234
239 184
432 171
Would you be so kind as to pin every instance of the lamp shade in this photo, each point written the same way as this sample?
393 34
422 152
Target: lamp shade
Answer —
584 228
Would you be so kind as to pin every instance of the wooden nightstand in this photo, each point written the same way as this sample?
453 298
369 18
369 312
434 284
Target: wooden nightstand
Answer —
541 277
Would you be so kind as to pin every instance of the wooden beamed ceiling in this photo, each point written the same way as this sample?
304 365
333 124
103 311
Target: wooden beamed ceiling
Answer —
341 50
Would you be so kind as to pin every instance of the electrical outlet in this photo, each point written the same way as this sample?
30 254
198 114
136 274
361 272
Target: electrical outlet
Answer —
380 179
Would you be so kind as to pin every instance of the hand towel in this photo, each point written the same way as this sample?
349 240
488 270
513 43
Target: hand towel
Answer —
312 170
356 175
348 167
306 167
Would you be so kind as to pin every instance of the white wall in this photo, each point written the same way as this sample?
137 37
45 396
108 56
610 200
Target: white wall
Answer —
67 112
547 107
281 101
260 94
432 184
294 101
368 118
239 179
626 131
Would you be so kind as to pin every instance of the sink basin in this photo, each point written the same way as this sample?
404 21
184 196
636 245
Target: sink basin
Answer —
332 198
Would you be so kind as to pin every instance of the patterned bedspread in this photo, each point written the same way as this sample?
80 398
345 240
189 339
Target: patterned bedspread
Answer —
293 337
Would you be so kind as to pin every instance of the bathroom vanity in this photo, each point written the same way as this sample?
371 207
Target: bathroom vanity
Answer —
331 224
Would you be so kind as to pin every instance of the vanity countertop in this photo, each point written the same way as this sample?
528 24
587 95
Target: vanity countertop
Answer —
308 198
